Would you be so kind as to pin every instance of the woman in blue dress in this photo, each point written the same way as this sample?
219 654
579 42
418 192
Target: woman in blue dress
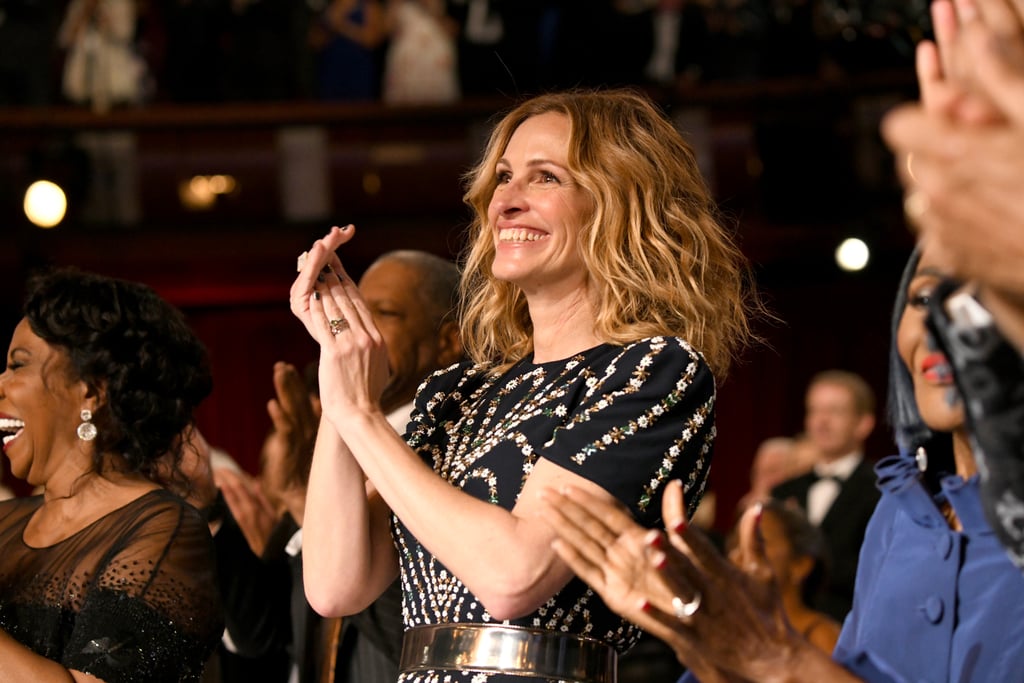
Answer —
600 294
937 597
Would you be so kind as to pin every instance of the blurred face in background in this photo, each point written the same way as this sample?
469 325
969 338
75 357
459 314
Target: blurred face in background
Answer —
832 421
416 346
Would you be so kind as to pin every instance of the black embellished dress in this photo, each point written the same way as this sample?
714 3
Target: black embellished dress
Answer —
131 597
629 418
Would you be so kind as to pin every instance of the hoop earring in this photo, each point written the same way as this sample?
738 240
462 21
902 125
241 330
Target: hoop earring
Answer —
86 430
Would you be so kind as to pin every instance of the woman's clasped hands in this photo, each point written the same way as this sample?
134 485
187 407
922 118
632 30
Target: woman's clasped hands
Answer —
353 357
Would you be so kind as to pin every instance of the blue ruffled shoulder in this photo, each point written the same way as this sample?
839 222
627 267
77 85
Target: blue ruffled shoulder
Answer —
899 477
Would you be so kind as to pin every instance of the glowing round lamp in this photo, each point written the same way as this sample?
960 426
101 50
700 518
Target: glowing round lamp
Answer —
853 254
45 204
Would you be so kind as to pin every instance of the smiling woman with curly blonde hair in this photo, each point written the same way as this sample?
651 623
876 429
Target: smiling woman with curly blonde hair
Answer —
660 261
600 298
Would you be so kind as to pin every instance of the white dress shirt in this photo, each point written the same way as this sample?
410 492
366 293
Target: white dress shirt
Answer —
823 492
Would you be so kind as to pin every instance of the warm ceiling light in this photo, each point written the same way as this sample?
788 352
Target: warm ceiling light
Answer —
200 192
45 204
853 254
222 184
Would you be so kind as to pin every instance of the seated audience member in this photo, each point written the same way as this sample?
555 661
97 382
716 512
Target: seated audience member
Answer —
411 295
936 598
797 554
106 575
838 494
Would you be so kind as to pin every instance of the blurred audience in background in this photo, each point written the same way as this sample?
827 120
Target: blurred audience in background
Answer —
799 559
259 50
28 33
838 494
420 65
347 38
777 459
102 67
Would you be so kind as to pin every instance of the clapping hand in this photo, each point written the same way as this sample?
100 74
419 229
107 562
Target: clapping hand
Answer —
288 449
724 623
251 510
353 357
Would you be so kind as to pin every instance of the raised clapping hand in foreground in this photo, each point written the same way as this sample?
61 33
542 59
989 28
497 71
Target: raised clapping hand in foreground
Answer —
960 148
724 623
353 357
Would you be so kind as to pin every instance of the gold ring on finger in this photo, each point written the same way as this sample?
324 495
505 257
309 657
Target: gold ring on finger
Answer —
337 325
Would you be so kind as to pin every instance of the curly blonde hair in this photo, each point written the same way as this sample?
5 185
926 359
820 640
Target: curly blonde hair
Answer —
660 262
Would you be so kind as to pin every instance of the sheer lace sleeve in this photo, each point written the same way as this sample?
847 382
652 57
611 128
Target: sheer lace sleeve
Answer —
152 610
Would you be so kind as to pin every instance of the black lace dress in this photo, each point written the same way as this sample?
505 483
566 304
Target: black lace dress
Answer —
131 597
628 418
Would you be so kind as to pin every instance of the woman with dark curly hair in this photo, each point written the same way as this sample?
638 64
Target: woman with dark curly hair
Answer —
106 575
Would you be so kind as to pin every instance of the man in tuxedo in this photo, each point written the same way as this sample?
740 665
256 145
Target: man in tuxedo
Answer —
839 493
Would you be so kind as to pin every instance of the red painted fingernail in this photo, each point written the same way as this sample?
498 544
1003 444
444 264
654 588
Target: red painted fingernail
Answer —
660 560
645 606
654 541
680 527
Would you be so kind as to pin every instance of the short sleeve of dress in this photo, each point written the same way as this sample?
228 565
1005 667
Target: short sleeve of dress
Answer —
153 611
643 419
437 400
